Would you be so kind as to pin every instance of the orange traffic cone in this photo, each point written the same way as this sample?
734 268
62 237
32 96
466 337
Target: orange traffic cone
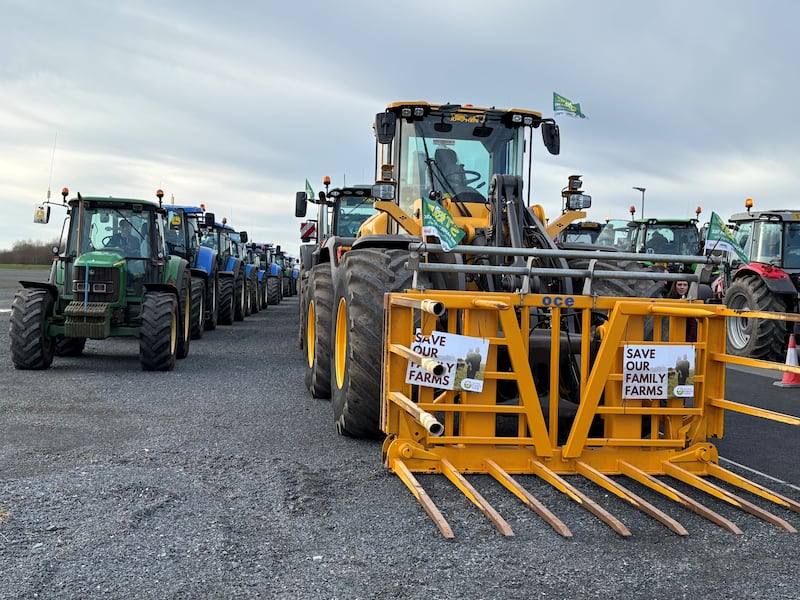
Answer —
790 379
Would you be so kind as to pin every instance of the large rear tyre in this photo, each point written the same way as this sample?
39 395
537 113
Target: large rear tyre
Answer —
226 299
31 348
212 302
184 314
755 338
318 297
239 298
158 339
273 290
198 308
255 305
364 276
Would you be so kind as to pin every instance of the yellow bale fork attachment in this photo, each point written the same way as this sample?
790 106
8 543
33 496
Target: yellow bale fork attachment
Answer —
632 420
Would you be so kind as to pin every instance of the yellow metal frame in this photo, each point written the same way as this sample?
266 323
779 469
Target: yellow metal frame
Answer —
453 432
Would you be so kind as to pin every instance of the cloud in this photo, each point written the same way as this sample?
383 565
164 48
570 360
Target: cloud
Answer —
237 104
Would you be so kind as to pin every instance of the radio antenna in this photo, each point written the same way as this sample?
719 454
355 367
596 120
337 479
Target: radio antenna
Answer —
52 162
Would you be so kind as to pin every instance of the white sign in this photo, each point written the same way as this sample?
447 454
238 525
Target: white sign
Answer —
657 371
463 358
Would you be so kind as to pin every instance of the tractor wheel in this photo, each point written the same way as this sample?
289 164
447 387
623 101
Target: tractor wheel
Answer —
302 312
30 346
184 314
273 290
226 299
239 298
212 302
158 339
254 300
198 308
248 297
755 338
69 346
262 290
318 299
364 276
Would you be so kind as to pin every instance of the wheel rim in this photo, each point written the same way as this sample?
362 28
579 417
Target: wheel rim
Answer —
340 353
173 337
311 330
739 328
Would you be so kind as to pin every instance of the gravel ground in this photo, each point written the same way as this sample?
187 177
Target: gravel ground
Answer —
225 479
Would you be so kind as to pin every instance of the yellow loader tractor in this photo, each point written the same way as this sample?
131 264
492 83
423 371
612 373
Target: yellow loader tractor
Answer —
466 338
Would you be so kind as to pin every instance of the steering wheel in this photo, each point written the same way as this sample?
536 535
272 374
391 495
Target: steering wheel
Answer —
105 241
473 176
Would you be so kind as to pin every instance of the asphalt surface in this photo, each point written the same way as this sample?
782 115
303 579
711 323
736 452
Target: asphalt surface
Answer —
225 479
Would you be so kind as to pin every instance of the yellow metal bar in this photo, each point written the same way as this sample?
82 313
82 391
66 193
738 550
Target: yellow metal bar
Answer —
520 492
629 496
528 396
555 380
685 476
670 492
754 411
567 488
490 304
421 495
474 496
752 487
424 418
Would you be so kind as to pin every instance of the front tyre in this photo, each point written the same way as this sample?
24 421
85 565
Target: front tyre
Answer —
31 348
184 314
364 276
318 299
198 308
158 339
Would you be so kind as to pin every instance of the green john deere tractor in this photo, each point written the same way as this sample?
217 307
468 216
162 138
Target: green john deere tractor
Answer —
113 278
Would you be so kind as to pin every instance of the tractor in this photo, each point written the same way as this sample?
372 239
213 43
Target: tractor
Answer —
251 287
231 272
113 278
454 172
185 226
769 281
340 213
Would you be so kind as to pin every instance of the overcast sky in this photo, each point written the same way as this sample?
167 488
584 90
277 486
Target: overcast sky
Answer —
235 104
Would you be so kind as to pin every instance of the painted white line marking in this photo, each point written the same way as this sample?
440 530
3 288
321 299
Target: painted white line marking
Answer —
770 477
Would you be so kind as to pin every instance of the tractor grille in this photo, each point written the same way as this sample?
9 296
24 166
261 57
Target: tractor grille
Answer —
103 284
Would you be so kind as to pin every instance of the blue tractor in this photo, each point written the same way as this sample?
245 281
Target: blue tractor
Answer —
185 227
239 240
274 275
231 272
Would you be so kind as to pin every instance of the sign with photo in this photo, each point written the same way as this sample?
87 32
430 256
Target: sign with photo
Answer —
463 358
658 371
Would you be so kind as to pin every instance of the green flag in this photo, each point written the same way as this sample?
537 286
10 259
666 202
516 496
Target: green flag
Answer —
437 222
563 106
309 191
719 237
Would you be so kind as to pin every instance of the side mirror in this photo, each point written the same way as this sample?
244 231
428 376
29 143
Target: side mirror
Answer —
300 203
551 137
210 219
385 126
41 214
243 237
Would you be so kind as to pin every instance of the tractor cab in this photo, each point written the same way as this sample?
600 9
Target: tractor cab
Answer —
449 153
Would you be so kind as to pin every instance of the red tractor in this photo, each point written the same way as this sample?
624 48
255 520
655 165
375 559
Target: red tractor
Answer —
770 281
